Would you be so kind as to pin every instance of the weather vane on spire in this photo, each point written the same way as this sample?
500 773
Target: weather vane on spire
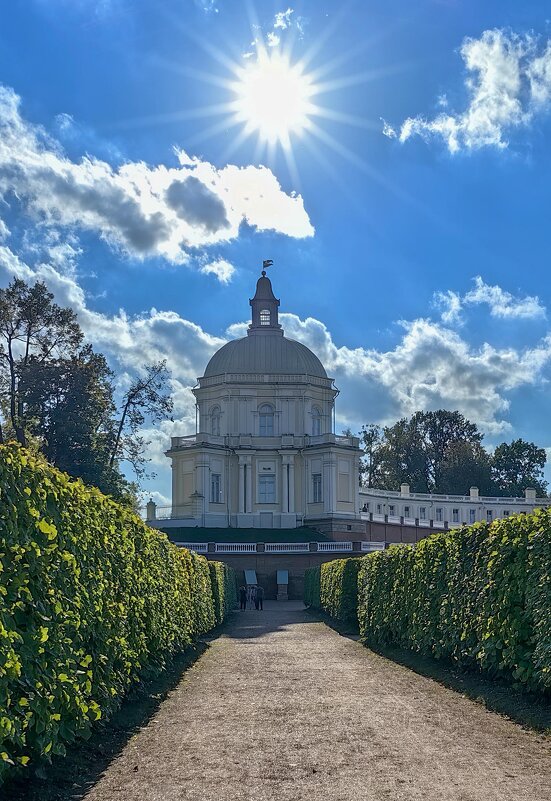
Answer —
265 264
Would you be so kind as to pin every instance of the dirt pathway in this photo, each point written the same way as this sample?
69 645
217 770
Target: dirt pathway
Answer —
281 707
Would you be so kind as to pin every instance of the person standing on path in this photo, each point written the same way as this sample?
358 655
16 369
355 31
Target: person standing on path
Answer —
242 597
260 598
250 596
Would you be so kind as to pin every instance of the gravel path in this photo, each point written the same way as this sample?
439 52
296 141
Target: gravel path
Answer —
282 707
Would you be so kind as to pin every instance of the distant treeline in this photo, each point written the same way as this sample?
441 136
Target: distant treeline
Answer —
442 452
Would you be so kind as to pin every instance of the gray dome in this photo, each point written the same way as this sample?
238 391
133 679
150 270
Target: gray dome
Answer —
265 354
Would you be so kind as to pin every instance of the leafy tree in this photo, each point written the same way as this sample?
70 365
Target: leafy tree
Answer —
517 466
414 449
370 441
438 431
69 412
32 327
465 465
56 395
401 457
149 398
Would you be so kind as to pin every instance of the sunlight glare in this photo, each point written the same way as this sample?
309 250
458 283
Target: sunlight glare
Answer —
273 98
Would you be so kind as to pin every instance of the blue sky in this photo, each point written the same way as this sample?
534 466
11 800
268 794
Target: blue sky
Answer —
409 224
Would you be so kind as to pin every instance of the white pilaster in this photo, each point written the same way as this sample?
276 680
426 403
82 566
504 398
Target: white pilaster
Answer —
284 485
291 483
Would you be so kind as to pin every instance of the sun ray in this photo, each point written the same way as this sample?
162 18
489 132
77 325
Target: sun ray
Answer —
346 119
217 109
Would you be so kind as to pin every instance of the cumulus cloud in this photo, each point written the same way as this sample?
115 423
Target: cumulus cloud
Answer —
139 209
501 303
508 82
221 268
430 367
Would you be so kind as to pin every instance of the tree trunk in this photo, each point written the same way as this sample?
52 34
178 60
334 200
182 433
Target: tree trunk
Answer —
119 434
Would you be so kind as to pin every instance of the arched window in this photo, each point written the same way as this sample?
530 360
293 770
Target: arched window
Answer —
266 420
265 317
316 421
215 421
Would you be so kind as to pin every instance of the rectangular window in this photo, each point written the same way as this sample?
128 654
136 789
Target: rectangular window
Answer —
506 513
379 509
316 487
406 511
489 515
455 515
266 424
215 488
391 509
472 515
266 489
439 514
422 513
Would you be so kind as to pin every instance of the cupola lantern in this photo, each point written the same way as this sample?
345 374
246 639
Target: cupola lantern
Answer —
264 307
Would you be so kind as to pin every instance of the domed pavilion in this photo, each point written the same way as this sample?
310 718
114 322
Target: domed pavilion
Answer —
265 454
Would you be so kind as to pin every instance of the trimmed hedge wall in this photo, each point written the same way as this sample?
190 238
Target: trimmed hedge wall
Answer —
333 587
90 600
479 596
224 589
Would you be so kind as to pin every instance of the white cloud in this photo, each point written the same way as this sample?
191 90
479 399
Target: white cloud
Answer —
283 19
508 82
430 366
502 304
450 306
141 210
221 268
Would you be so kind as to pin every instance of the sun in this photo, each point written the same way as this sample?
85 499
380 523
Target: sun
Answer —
273 97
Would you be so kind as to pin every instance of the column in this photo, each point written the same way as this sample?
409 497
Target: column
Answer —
241 487
291 483
284 485
329 484
202 468
249 485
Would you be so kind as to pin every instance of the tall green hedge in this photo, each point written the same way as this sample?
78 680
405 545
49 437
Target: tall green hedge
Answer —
312 589
224 589
479 596
333 587
90 599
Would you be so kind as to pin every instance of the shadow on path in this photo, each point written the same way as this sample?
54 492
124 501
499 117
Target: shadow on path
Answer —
276 616
528 709
70 778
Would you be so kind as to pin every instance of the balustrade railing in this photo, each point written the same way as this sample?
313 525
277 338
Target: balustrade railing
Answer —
198 547
235 547
334 547
287 547
373 546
